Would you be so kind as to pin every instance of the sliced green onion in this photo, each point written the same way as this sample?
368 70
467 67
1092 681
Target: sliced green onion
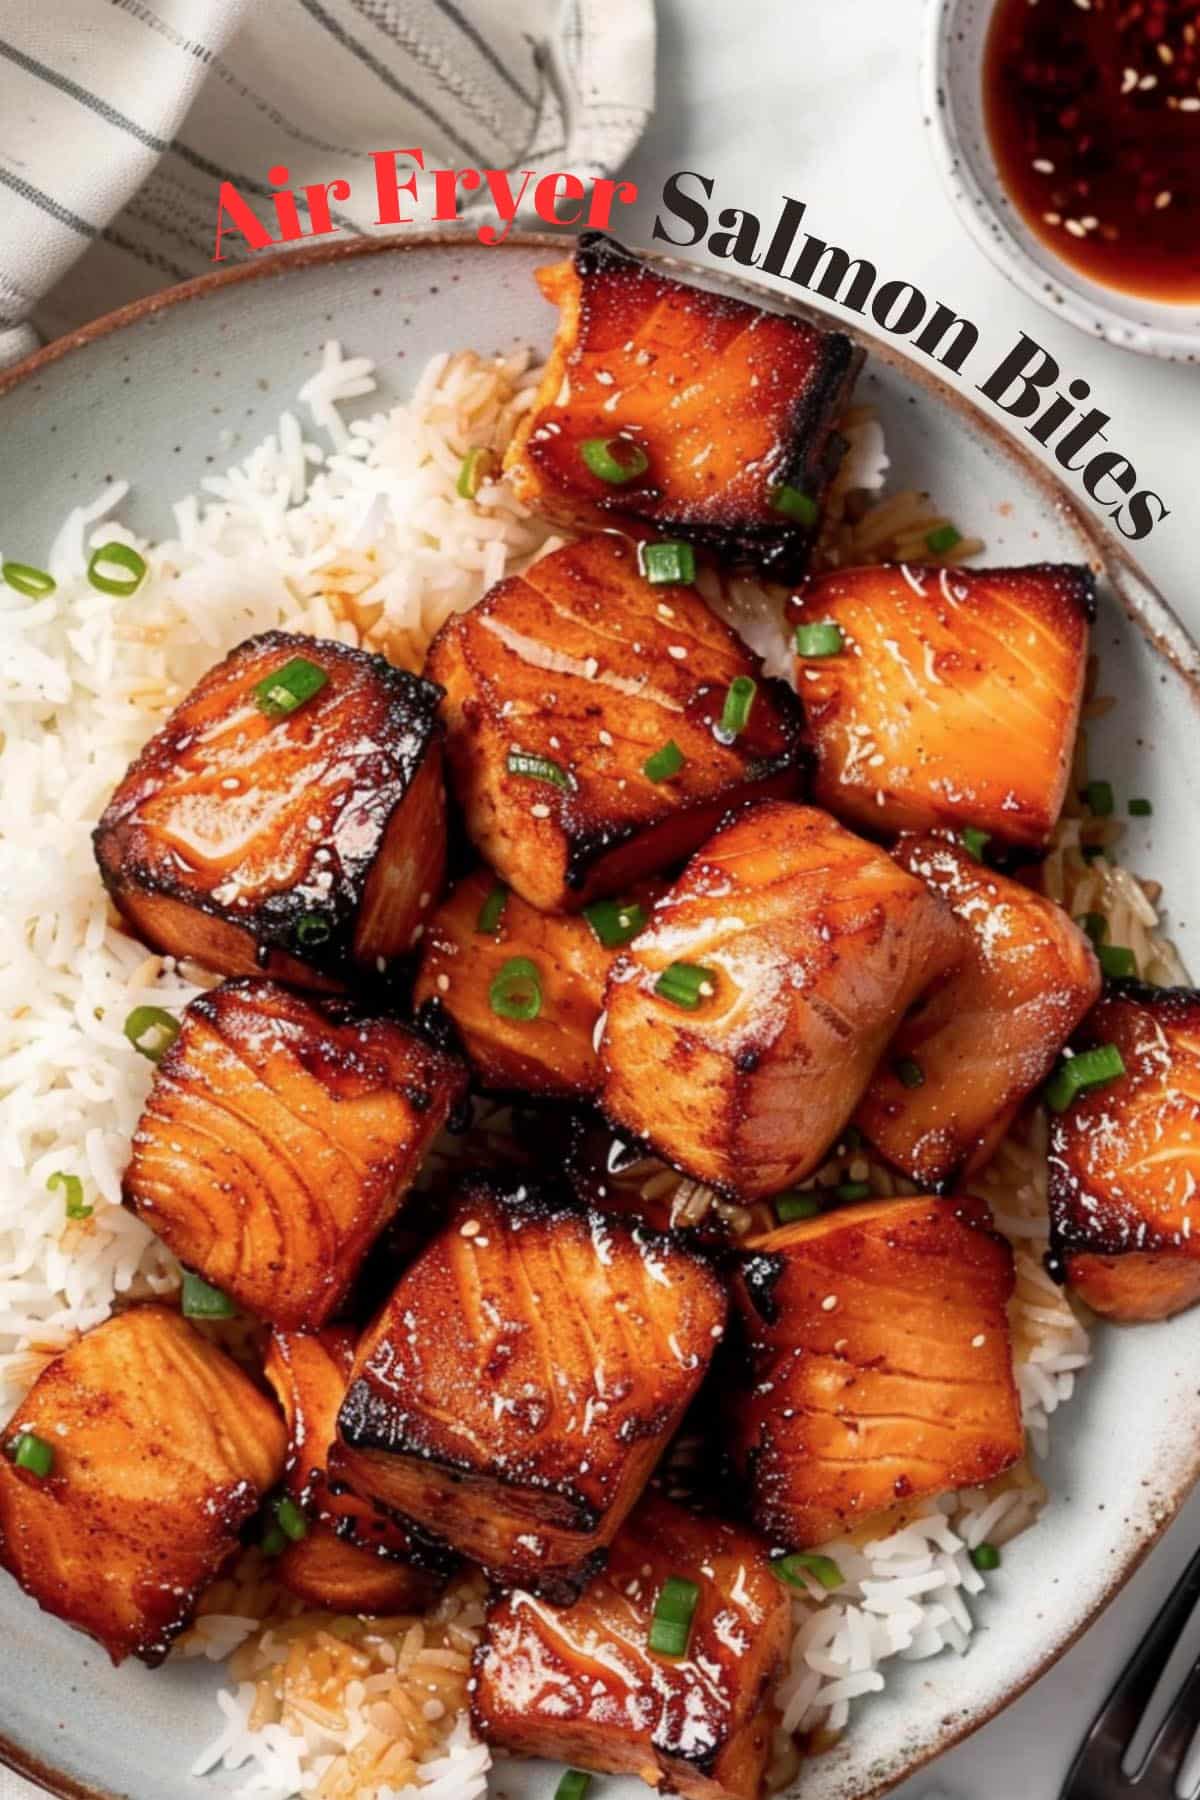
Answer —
793 1569
615 460
290 1519
151 1030
538 768
492 911
516 990
200 1300
852 1190
667 562
313 929
1140 809
910 1074
573 1785
33 1453
664 763
1077 1075
944 538
1095 925
288 688
1116 960
823 638
686 985
1098 797
674 1610
36 583
613 923
736 710
72 1189
985 1557
475 470
795 504
273 1540
116 556
796 1206
974 841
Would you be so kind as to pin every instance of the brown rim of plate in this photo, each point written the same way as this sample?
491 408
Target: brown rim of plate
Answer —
1143 602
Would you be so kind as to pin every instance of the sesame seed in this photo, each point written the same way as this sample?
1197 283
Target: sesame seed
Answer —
829 1302
606 739
1075 228
1166 54
1147 82
443 982
424 900
665 611
1191 104
977 1343
678 651
1162 200
1129 81
470 1228
540 811
1052 218
1042 166
707 989
591 668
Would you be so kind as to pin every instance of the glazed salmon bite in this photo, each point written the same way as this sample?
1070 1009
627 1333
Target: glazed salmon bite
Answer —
699 416
744 1023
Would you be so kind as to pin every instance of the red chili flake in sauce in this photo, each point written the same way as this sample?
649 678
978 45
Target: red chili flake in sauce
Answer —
1093 110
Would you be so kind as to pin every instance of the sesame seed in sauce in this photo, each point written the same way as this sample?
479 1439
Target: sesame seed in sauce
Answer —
540 810
829 1303
470 1228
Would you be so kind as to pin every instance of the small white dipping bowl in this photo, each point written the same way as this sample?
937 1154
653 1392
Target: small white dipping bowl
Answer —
952 96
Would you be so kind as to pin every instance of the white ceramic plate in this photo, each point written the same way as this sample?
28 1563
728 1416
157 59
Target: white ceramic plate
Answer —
154 394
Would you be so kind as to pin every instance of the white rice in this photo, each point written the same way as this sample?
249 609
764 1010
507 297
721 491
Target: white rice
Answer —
356 534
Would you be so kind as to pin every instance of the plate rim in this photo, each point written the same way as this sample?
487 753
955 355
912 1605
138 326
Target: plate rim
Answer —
1141 599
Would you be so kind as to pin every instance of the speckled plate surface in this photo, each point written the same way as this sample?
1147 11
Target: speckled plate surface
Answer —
166 391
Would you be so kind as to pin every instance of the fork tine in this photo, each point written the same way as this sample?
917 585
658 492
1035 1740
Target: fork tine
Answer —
1097 1763
1160 1765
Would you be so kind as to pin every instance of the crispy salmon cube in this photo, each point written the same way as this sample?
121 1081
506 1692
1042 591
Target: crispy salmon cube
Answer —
726 411
304 843
878 1364
562 684
981 1041
156 1450
580 1685
954 698
1125 1160
517 1389
743 1024
277 1141
538 1037
354 1557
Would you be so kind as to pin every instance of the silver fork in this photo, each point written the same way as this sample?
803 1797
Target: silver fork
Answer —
1096 1773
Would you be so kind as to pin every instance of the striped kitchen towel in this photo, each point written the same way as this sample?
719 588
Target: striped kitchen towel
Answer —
119 119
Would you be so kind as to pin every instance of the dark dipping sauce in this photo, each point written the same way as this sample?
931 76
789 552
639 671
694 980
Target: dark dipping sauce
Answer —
1093 111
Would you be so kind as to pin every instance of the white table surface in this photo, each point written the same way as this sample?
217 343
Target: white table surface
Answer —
821 101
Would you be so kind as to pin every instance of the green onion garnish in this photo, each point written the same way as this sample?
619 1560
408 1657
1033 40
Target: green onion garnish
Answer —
1140 809
667 562
793 1569
313 929
615 459
151 1030
199 1300
72 1189
686 985
795 504
116 556
36 583
1116 960
273 1540
852 1190
613 923
974 841
291 1520
944 538
1098 797
492 911
664 763
516 990
736 710
985 1557
573 1785
288 688
475 470
31 1452
671 1626
821 639
1077 1075
1094 925
538 768
796 1206
910 1074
